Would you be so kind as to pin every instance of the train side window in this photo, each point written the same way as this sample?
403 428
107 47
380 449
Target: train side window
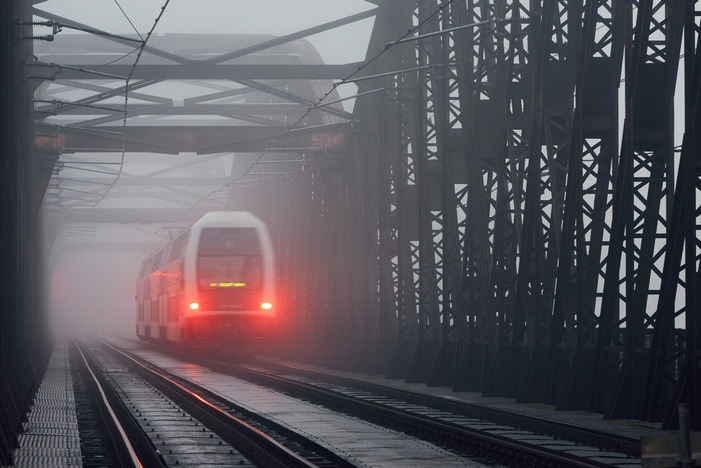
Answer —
166 255
176 248
145 267
157 260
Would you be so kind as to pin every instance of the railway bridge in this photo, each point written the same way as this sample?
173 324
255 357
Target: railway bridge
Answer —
501 196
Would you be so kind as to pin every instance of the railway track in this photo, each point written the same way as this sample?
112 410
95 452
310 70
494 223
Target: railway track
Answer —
167 421
502 437
497 439
109 436
578 434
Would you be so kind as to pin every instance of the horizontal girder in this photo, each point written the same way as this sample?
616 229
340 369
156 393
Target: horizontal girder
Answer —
200 71
192 139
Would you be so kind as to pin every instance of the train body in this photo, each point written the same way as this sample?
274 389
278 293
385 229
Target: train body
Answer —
213 285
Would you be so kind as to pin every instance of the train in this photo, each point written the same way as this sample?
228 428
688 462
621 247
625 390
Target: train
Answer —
211 286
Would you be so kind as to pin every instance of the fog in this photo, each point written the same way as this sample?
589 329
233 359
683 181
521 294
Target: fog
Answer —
92 265
94 292
344 44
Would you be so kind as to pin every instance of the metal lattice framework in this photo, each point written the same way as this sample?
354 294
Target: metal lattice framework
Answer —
528 246
501 212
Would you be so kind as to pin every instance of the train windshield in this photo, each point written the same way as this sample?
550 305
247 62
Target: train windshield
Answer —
229 258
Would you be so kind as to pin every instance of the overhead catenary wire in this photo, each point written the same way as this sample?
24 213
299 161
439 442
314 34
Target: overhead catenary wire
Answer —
348 79
295 126
126 93
119 58
129 20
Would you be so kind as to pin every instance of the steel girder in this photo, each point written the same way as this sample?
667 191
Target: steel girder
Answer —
522 251
673 375
175 139
643 193
390 174
586 226
489 231
221 107
25 337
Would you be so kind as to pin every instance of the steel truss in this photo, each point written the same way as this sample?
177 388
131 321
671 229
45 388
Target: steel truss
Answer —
528 247
262 106
486 222
199 94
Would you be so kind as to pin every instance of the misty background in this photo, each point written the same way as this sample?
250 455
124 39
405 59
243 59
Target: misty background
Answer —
92 267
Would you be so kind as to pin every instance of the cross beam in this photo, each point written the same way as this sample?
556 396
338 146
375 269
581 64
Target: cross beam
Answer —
195 139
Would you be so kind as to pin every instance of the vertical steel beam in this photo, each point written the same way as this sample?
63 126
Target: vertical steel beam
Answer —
523 321
481 83
673 375
444 85
428 179
377 152
642 196
594 136
689 384
419 145
25 341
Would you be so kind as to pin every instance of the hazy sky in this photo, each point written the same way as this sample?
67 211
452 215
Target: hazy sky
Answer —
278 17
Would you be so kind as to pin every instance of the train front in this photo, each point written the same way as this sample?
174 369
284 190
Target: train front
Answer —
229 282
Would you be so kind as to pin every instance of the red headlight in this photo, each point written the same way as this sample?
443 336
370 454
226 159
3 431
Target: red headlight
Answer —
194 306
266 306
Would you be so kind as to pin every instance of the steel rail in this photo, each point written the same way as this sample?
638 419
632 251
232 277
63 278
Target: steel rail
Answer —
414 423
587 435
129 437
262 449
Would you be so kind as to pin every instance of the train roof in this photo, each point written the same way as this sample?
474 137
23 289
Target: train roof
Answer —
228 219
218 219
